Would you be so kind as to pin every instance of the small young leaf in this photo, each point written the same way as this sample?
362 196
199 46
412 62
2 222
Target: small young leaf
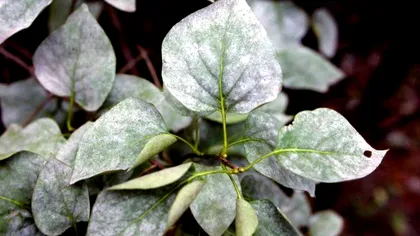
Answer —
215 206
56 206
246 221
42 136
286 24
16 15
323 146
271 221
220 58
123 5
183 200
325 223
116 139
155 180
305 69
131 212
154 146
77 60
326 30
18 176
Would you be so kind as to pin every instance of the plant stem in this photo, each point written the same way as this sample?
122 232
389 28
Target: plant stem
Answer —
38 109
242 141
70 112
17 60
150 66
238 192
222 102
194 149
197 131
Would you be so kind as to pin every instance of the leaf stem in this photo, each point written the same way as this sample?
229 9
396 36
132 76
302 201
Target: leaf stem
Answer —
197 131
70 112
193 148
238 192
38 109
242 141
21 205
222 102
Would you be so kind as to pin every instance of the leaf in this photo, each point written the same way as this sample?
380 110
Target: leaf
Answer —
116 139
286 24
42 136
325 223
246 221
277 108
154 146
130 212
263 129
219 58
297 209
126 86
67 152
183 200
16 15
323 146
156 179
231 118
77 60
18 176
305 69
56 206
215 206
123 5
325 28
271 221
21 99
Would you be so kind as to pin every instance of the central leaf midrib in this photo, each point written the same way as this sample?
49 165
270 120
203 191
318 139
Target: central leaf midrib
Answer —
16 203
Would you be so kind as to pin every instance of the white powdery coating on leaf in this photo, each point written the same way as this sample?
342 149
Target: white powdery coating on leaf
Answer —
223 41
77 58
326 29
16 15
123 5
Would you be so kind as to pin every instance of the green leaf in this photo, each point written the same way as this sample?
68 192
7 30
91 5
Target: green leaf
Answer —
286 24
116 139
126 86
131 212
305 69
77 60
263 129
325 223
123 5
154 146
215 206
16 15
325 28
21 99
183 200
297 209
323 146
42 136
246 221
56 206
220 59
271 221
18 176
277 108
156 179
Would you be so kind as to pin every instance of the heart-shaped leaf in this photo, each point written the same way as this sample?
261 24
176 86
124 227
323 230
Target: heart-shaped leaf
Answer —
123 5
325 223
56 206
305 69
116 139
16 15
18 176
77 61
326 30
246 221
220 59
42 136
323 146
156 179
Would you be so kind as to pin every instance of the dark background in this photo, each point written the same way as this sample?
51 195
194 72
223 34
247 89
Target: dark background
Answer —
379 52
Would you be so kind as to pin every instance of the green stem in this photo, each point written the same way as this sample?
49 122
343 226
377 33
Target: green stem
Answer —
238 192
225 143
197 131
193 148
70 112
222 101
21 205
242 141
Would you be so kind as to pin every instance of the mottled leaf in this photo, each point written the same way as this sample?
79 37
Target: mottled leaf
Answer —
116 139
56 206
130 212
220 58
286 24
277 108
305 69
325 223
42 136
231 118
21 99
156 179
297 209
246 220
183 199
123 5
18 176
271 221
215 206
16 15
326 30
154 146
323 146
77 60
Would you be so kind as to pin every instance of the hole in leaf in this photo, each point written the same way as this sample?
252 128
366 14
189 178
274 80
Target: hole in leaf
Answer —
367 153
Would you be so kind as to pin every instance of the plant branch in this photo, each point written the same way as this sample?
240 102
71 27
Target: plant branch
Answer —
238 192
17 60
131 64
37 110
70 112
150 66
242 141
194 149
